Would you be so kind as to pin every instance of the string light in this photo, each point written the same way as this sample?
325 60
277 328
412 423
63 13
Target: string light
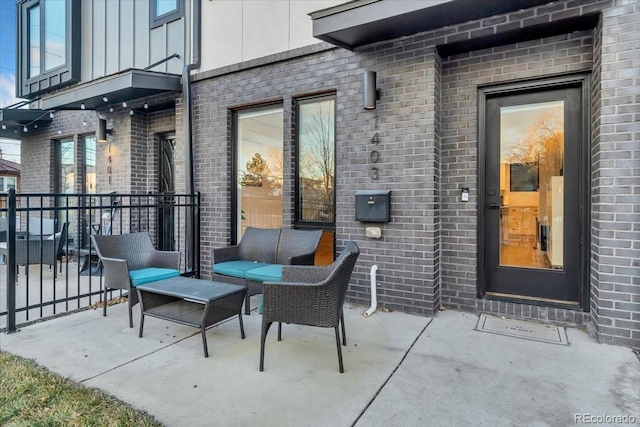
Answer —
131 112
59 132
4 126
82 107
24 129
111 109
124 104
51 114
105 99
84 123
146 106
35 126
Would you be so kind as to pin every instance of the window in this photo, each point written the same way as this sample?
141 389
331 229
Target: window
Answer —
48 44
89 165
315 171
65 176
164 11
6 183
47 33
258 169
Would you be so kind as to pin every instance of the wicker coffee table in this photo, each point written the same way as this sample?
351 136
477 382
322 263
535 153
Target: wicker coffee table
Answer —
192 302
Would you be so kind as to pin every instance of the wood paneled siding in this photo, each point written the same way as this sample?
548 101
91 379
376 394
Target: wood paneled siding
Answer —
116 36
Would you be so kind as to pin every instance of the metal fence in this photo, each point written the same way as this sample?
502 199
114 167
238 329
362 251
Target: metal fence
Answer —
49 234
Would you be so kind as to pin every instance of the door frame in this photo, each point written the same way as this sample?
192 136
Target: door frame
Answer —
582 81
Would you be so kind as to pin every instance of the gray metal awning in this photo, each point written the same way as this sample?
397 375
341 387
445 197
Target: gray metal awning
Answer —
117 88
13 121
362 22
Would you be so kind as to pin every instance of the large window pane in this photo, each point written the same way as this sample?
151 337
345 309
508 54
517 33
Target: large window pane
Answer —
67 167
34 41
165 6
90 164
316 160
54 33
259 166
66 172
532 185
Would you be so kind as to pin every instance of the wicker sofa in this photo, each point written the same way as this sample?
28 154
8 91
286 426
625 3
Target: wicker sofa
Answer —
260 255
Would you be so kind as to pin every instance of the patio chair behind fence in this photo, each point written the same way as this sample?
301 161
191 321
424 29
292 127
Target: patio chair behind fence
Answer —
38 291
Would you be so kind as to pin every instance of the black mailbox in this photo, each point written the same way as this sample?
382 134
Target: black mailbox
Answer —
373 205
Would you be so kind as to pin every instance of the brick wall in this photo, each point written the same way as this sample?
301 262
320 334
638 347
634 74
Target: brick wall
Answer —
462 74
427 125
407 253
615 246
37 148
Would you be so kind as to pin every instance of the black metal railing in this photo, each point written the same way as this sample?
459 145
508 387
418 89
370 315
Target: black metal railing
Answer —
50 235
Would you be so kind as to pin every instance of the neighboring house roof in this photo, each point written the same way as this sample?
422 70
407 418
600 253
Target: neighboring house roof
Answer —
7 166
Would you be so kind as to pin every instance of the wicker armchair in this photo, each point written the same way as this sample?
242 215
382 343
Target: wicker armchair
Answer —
45 251
311 296
130 260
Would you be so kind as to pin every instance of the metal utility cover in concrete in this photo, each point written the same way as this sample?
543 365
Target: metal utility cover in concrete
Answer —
519 329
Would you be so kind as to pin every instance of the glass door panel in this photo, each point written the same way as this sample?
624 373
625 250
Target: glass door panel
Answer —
532 185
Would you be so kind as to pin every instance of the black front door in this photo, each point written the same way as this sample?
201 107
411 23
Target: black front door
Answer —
166 211
532 202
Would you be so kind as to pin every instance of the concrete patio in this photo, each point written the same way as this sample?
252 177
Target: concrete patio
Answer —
399 370
41 288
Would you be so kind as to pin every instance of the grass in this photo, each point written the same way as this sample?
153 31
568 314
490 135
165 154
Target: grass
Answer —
32 396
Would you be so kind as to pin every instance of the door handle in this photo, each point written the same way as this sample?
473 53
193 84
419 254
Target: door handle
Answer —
494 206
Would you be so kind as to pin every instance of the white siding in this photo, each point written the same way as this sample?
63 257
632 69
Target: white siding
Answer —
240 30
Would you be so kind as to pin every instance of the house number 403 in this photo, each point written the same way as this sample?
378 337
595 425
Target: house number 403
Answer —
374 156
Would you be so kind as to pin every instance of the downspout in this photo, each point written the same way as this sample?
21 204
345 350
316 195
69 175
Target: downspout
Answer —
374 295
188 121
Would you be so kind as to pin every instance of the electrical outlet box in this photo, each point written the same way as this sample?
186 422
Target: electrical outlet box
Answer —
373 232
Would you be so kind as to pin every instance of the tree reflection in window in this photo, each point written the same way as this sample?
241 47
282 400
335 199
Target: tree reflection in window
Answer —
316 160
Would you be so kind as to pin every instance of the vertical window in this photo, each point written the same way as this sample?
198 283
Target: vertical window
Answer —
65 183
54 34
66 167
9 183
47 36
34 41
315 171
89 165
164 11
165 6
258 169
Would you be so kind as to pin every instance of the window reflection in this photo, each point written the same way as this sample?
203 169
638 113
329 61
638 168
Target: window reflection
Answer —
165 6
54 34
260 168
66 175
532 185
34 41
316 161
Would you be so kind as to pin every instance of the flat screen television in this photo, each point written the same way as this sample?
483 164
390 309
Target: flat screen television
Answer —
524 177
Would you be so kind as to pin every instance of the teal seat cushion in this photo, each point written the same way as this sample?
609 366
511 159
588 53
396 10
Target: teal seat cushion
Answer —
151 274
236 268
269 273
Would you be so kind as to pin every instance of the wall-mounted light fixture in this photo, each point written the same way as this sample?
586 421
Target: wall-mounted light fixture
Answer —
371 92
103 131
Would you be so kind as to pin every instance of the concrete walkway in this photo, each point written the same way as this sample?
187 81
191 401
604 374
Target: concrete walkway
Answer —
400 370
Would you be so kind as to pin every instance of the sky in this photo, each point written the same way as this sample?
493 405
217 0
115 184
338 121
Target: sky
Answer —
10 148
